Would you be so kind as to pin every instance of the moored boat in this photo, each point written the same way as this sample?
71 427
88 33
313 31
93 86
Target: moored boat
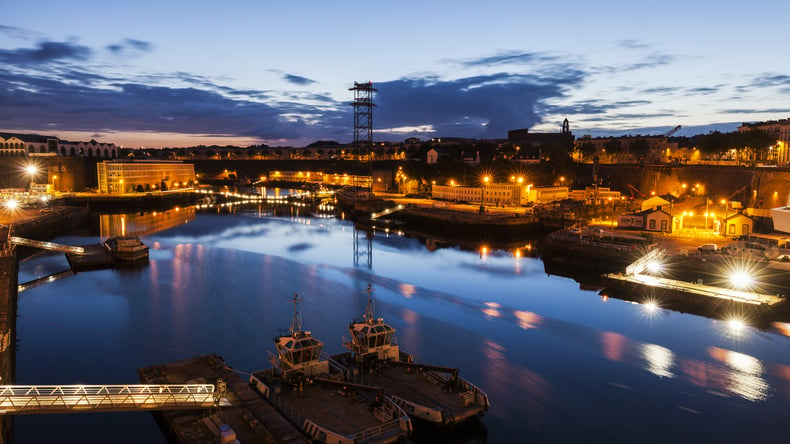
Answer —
310 391
126 248
431 393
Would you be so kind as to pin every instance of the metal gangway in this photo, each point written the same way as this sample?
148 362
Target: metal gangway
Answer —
46 245
38 399
375 216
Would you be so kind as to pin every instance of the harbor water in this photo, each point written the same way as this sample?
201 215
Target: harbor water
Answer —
558 362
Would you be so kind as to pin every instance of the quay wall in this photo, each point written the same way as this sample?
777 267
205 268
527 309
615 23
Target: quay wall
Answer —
8 306
758 187
133 202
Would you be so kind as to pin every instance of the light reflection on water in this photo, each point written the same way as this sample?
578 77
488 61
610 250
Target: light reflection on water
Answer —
546 352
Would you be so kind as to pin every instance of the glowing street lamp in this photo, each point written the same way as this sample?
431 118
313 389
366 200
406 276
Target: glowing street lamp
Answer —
483 193
31 171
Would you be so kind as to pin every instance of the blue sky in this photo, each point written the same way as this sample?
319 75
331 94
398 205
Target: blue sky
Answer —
182 73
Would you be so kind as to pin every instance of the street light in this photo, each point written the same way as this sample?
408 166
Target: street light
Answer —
724 221
31 170
483 193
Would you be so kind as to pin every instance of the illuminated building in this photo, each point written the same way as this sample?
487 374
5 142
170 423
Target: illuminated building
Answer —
123 176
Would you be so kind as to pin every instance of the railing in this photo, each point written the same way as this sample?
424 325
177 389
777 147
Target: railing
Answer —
35 399
46 245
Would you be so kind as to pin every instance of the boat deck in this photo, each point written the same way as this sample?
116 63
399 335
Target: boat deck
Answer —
424 389
344 412
251 418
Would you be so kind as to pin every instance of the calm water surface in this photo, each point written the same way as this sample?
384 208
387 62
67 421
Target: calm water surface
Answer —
559 364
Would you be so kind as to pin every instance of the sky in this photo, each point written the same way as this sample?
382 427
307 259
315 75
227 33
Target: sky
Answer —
183 73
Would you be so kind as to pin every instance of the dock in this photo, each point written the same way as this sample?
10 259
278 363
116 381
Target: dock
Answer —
249 418
94 257
710 291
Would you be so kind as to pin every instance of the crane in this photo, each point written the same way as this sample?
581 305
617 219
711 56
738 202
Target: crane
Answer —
672 131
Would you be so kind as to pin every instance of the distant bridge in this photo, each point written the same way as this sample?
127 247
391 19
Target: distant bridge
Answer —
46 245
38 399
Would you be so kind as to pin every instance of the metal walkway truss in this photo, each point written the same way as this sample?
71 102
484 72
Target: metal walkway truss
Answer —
38 399
45 245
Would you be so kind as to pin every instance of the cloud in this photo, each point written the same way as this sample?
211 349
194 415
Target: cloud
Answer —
19 33
507 58
631 44
45 52
139 107
756 111
130 46
651 61
480 106
297 80
597 107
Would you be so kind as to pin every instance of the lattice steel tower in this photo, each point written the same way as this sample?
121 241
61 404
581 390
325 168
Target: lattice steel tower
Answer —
363 121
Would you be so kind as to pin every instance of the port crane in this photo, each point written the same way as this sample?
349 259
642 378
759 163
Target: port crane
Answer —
672 131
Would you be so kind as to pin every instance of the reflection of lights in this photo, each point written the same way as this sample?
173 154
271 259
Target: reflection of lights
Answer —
492 304
650 307
660 360
736 326
494 313
604 297
746 379
407 290
782 327
527 319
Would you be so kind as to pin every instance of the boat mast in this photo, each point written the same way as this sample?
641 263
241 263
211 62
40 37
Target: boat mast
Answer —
369 314
296 324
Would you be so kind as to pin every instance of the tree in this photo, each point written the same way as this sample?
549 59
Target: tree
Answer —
587 148
639 148
614 147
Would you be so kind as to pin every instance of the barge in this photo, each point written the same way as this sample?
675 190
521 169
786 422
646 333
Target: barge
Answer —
310 391
429 393
126 248
244 417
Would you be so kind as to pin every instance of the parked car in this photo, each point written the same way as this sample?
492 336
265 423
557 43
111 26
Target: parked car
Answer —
708 248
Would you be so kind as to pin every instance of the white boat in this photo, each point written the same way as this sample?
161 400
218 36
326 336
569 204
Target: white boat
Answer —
426 392
310 391
126 248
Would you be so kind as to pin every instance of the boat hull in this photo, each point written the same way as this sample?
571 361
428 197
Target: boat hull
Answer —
426 394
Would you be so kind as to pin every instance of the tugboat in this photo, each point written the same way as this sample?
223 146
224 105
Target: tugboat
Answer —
126 248
311 393
430 393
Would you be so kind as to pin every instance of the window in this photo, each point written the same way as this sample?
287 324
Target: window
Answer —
652 224
663 225
745 229
731 229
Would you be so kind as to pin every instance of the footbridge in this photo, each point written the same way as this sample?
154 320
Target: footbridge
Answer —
45 245
38 399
